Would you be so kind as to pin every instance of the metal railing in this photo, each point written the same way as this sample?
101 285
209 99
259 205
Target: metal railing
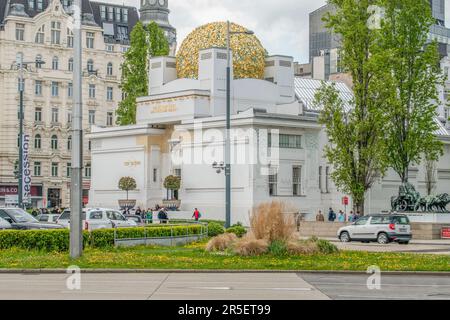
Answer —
147 239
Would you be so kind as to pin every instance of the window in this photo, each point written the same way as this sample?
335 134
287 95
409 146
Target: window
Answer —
122 32
91 116
40 35
327 179
118 14
69 170
109 48
109 93
109 69
20 31
89 145
38 114
31 4
38 87
103 12
124 49
56 32
69 116
177 173
39 4
92 91
125 15
155 175
109 119
273 184
54 169
297 180
290 141
37 169
55 115
87 170
110 13
70 64
90 65
69 143
37 142
90 40
362 221
70 89
67 4
55 63
38 60
54 142
55 89
69 38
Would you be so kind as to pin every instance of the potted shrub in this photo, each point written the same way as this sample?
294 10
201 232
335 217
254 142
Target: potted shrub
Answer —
172 183
127 184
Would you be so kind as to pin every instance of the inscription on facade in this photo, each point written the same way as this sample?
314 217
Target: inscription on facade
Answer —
164 108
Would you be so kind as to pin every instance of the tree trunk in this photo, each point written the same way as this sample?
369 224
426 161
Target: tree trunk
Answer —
127 195
359 207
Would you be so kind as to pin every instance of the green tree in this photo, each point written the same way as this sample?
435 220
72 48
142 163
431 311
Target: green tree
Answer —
172 183
145 42
412 76
127 184
357 148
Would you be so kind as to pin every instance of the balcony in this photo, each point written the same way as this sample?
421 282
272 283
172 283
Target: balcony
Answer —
88 73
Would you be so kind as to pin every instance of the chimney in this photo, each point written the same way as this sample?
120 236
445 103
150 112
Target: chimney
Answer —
161 71
280 71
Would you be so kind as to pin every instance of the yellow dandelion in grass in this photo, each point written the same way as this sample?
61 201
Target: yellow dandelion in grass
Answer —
248 53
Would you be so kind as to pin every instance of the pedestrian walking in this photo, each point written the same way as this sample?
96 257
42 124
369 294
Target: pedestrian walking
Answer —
320 217
331 215
196 214
149 216
138 212
352 217
341 217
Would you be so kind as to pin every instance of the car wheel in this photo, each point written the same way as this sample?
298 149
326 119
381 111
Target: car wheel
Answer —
344 237
404 242
382 238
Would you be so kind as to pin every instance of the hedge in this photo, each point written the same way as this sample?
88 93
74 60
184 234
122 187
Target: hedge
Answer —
58 240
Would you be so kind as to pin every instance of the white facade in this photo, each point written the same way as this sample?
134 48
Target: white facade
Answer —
180 130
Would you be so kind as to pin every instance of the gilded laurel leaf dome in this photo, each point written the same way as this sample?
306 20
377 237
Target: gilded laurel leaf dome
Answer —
248 53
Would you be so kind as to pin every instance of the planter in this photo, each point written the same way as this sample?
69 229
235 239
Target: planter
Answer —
127 204
172 204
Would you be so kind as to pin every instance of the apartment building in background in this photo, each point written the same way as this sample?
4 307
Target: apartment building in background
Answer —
40 31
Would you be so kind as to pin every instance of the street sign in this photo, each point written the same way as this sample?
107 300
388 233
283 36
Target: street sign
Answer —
345 201
11 200
445 233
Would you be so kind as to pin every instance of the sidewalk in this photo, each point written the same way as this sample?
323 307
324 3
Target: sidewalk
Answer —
419 242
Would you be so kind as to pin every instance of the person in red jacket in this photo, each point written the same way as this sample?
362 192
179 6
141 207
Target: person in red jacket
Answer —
196 214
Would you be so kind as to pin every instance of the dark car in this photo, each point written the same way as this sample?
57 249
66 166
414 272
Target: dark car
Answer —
22 220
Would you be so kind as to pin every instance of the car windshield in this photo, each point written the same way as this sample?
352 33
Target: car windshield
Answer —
66 215
400 220
20 215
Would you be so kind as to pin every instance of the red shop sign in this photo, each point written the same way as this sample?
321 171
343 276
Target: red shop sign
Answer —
445 234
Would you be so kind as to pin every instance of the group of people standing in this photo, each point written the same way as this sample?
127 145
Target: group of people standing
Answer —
340 217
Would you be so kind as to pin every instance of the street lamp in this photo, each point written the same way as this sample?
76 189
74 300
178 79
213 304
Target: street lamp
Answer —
228 127
20 66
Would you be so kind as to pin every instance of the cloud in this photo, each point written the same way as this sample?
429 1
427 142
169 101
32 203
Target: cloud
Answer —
281 25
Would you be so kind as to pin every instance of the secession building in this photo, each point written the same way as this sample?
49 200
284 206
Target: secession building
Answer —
277 142
39 30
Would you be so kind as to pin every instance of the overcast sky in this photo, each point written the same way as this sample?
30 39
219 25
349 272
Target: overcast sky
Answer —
281 25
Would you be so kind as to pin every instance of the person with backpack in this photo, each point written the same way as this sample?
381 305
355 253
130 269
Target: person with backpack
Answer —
331 215
196 214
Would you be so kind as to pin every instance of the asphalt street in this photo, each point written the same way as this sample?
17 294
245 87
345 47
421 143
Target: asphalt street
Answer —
222 286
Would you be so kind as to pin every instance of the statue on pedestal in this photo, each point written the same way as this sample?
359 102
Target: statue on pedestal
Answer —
409 200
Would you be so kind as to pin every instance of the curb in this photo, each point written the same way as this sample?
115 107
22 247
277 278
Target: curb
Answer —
148 271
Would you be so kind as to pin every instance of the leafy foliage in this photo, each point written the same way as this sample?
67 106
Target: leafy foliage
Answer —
278 248
238 230
357 146
172 183
412 73
214 229
145 42
127 184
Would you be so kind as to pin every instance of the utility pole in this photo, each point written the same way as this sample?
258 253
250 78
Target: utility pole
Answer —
76 185
19 61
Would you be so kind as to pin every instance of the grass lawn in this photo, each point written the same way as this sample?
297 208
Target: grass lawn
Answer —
194 257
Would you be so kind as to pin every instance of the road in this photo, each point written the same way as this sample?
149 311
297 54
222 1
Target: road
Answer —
222 286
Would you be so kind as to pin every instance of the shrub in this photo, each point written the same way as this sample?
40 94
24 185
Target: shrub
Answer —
58 240
326 247
302 247
269 221
278 248
238 230
214 229
221 242
249 246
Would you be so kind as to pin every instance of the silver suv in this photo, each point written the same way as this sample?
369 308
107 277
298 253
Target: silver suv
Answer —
100 218
380 228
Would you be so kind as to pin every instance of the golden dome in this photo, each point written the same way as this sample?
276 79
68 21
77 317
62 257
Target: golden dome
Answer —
248 53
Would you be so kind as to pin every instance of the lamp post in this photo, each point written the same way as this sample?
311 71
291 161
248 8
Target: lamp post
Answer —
20 66
228 128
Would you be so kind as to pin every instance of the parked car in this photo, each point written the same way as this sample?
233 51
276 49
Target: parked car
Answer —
4 224
20 219
380 228
51 217
94 219
139 221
